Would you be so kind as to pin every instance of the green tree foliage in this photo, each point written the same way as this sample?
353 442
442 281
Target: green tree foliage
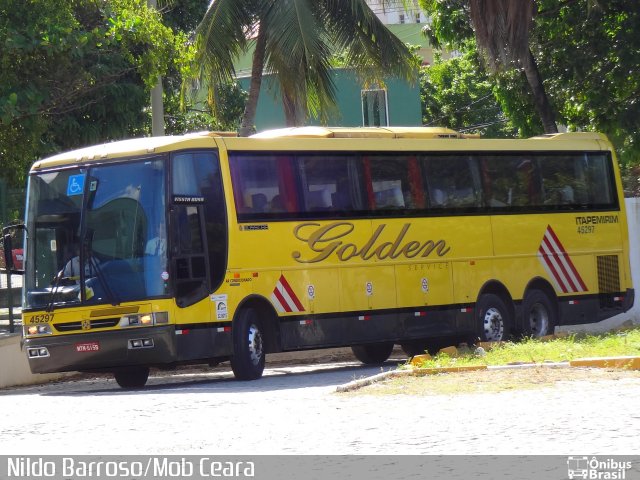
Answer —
588 52
75 72
591 58
182 118
501 29
182 15
184 113
457 93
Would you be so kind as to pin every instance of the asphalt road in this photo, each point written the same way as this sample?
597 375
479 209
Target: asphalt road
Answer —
294 409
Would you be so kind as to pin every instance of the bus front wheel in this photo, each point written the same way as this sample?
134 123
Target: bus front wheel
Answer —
493 317
372 353
132 377
248 357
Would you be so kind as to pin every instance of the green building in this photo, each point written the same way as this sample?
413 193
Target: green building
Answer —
396 103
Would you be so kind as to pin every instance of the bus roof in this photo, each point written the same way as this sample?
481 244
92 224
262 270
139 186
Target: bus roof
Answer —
362 132
149 145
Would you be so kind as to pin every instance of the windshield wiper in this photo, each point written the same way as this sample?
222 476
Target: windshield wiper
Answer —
54 291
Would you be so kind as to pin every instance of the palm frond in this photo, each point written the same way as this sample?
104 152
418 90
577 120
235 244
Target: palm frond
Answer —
367 41
221 36
298 54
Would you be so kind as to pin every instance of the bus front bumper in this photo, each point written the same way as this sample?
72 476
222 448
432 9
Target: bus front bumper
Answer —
102 350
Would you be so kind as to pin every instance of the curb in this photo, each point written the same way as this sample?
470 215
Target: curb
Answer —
628 363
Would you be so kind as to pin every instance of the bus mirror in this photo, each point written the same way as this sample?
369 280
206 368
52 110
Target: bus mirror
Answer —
7 245
13 257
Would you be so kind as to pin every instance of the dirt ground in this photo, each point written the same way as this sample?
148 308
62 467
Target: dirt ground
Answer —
491 381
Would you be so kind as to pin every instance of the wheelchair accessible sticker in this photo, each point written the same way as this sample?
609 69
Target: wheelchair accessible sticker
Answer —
75 185
221 306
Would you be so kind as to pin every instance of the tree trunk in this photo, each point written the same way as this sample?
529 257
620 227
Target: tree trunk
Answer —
249 115
540 98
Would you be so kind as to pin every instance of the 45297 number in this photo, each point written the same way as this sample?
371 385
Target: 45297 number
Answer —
584 229
42 318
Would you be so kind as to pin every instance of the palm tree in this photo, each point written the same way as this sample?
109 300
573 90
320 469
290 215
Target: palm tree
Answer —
294 40
502 30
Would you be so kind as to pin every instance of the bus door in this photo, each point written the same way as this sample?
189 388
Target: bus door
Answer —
198 245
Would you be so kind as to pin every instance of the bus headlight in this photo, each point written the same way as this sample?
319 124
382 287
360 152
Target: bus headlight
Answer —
42 329
144 319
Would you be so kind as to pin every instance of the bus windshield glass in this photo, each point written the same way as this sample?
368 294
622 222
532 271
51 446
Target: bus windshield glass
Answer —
98 235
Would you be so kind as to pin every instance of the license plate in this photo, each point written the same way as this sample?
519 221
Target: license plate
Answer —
87 347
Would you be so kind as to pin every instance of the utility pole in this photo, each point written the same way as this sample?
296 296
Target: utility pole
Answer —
157 107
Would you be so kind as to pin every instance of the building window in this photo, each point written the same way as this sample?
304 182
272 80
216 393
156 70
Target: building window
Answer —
402 18
375 110
417 18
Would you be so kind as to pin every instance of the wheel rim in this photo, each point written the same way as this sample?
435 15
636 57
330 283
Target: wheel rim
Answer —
538 320
255 344
493 325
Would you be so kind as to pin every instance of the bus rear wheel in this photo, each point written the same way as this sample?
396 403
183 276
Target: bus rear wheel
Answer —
248 357
373 353
539 314
132 377
493 318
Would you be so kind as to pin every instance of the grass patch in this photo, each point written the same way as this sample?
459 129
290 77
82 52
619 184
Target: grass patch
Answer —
613 344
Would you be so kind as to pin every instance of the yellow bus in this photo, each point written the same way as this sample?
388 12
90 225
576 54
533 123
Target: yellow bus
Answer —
206 248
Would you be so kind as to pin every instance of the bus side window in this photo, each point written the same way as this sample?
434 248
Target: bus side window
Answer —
263 185
325 183
452 182
395 182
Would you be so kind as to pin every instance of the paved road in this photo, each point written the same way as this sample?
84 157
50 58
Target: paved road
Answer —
296 410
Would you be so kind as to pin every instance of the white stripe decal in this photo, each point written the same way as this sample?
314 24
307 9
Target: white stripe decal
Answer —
284 298
558 265
277 304
549 272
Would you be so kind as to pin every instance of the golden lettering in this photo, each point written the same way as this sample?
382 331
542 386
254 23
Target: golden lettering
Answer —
332 239
316 238
410 248
347 251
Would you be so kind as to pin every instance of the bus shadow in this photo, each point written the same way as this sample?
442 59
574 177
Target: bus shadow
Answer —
276 378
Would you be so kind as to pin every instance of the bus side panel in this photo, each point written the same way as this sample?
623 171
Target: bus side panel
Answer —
579 255
321 289
367 288
200 333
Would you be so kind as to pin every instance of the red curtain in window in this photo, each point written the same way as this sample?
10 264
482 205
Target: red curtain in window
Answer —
368 182
416 187
287 183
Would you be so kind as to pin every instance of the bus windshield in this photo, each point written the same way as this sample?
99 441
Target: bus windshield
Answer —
98 235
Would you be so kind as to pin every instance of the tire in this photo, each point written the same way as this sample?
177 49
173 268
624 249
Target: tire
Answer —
493 318
426 345
373 353
413 348
247 361
539 316
132 377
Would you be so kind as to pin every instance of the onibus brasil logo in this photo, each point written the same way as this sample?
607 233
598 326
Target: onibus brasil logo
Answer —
593 468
